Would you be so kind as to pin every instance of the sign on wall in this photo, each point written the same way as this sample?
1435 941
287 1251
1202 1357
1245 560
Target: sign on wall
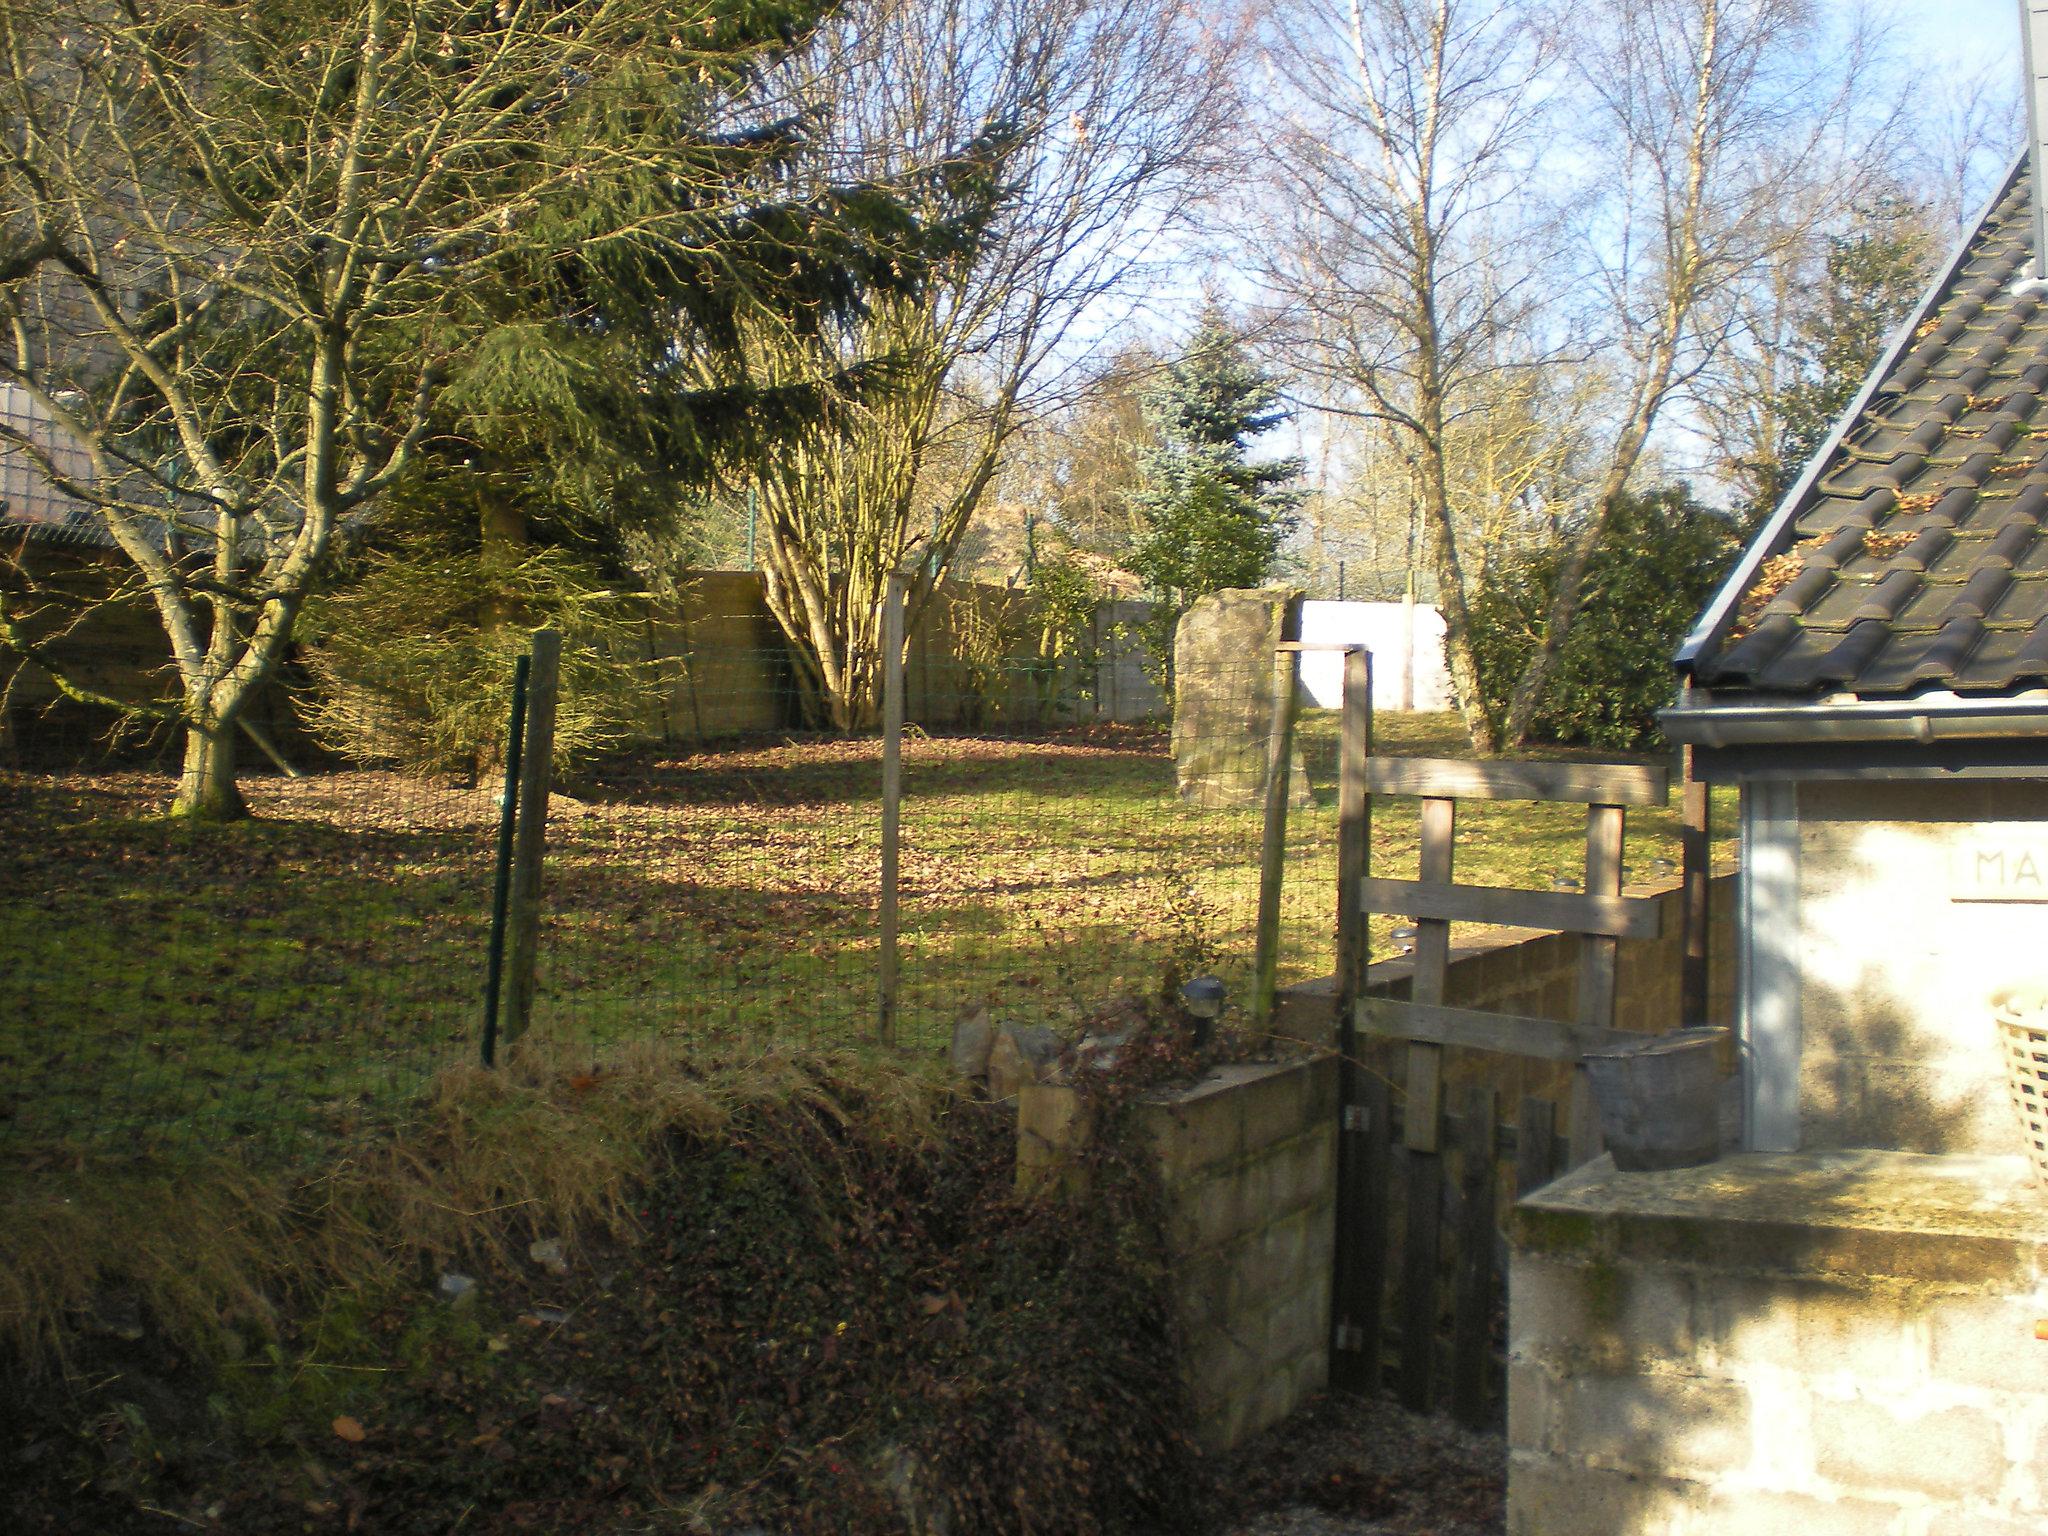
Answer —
2009 868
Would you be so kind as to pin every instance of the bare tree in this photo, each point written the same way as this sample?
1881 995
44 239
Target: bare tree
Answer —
1411 271
1105 118
1710 122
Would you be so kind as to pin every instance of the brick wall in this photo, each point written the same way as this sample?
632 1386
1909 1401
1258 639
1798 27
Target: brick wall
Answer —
1247 1160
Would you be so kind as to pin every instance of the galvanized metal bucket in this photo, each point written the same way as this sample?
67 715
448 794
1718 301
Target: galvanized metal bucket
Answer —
1660 1100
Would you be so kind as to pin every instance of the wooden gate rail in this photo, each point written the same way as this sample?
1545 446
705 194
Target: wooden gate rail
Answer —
1371 1140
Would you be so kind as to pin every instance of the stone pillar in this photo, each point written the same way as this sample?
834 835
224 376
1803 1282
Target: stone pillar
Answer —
1223 699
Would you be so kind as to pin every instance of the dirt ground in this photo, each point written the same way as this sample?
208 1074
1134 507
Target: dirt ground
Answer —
1364 1467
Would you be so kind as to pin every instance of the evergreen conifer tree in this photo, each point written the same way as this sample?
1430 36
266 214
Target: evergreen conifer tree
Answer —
1212 518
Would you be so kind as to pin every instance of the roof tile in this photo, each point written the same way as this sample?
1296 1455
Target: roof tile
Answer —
1918 556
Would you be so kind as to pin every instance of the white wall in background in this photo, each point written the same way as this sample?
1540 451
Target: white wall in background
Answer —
1379 627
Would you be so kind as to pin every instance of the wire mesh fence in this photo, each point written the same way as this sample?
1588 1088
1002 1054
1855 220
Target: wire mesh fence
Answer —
271 986
268 987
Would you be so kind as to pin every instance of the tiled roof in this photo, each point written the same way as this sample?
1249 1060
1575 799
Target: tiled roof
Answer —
1917 558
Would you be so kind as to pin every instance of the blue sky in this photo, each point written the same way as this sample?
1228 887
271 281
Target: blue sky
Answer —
1971 33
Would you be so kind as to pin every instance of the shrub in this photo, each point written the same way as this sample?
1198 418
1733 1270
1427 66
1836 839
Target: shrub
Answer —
1654 569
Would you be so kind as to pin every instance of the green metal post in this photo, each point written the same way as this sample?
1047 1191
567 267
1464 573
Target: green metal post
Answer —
501 893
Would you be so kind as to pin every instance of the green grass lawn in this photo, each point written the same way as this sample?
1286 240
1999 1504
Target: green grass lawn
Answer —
279 982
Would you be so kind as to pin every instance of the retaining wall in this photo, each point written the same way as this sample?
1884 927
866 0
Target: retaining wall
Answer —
1248 1162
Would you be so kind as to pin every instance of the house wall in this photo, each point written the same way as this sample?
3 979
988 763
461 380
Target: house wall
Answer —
1897 961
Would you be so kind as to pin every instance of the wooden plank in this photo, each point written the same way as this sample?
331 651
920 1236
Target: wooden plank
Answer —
1695 842
1377 1205
1360 1277
892 799
1432 966
1510 1034
1461 779
1606 913
1535 1146
529 841
1420 1253
1473 1292
1273 839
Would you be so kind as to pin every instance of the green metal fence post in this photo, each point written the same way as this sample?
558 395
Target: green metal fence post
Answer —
501 890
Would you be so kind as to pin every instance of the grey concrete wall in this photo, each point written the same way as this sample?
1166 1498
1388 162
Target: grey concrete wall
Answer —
1248 1165
1780 1345
1898 961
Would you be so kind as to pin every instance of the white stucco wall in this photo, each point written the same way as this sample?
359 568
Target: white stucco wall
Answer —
1380 628
1900 953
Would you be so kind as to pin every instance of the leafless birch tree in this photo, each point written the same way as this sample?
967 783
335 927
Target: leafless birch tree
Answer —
1409 263
1710 122
1108 117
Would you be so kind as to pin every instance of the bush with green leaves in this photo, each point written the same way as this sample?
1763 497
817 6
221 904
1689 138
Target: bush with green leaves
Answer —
1661 558
412 661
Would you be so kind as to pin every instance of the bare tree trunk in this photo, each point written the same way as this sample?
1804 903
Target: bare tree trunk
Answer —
206 786
1457 612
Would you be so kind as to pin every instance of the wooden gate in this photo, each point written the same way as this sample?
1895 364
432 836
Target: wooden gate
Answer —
1422 1158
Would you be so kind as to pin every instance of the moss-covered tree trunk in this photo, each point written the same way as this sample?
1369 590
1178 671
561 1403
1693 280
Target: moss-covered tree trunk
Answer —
206 784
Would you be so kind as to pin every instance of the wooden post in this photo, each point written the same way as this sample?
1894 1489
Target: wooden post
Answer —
1695 842
1355 1310
1374 1159
1286 665
1472 1333
529 842
1420 1251
1535 1146
1604 833
1432 962
892 795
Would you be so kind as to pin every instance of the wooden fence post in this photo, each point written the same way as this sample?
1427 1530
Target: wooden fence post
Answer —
1472 1305
529 842
1286 664
1355 1303
892 795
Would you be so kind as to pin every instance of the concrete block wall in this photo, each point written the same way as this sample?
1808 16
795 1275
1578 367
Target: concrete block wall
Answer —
1787 1346
1248 1164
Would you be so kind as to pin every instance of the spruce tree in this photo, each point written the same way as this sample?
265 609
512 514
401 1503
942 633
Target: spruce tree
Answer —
1211 517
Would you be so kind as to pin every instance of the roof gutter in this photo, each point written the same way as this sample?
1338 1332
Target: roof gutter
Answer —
1707 632
1736 725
